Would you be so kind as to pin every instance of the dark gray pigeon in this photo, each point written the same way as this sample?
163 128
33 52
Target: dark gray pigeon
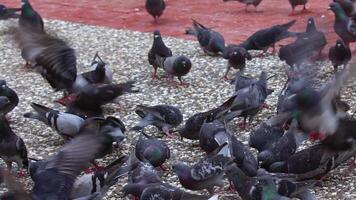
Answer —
51 57
344 26
3 102
8 13
175 66
344 136
266 38
66 124
164 117
212 42
240 81
206 174
12 147
255 3
11 95
212 136
54 177
340 54
236 57
348 6
295 3
151 150
158 49
155 8
30 20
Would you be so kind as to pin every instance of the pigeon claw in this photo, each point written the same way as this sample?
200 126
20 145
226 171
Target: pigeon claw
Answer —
314 136
243 126
164 168
264 105
21 174
226 78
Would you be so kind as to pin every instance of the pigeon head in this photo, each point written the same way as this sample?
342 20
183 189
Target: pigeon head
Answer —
338 11
154 156
156 34
181 169
265 157
182 66
311 25
26 8
340 44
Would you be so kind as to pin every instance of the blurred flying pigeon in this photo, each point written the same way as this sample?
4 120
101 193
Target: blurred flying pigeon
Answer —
12 147
295 3
152 150
54 177
100 74
236 57
88 102
340 54
51 57
30 20
315 38
282 149
175 66
266 134
191 129
155 8
101 180
314 162
158 49
344 26
164 117
8 13
11 96
255 3
212 42
66 124
206 174
266 38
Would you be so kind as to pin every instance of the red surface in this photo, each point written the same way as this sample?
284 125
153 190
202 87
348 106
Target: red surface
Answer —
228 18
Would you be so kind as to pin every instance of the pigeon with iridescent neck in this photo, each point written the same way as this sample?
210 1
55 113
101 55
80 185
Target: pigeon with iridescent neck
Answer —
164 117
344 26
30 20
11 96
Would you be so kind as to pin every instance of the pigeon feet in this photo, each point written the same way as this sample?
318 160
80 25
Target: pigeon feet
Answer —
243 126
184 84
313 136
231 187
164 168
27 65
264 105
226 78
154 76
21 174
352 163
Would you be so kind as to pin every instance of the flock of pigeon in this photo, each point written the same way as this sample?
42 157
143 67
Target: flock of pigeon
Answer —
278 172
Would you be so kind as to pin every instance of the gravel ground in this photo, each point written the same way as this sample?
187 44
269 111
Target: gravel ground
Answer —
126 53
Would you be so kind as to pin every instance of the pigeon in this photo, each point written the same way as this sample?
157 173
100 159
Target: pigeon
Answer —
30 20
99 75
344 26
212 42
66 124
344 136
240 81
158 49
206 174
295 3
4 101
11 96
212 136
12 147
315 38
151 150
175 66
250 188
266 38
88 102
348 6
297 53
155 8
51 57
313 162
248 101
8 13
266 134
236 57
101 180
284 148
164 117
340 54
191 129
255 3
54 177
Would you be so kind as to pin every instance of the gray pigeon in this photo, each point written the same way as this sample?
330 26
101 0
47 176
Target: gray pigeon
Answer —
295 3
155 8
12 147
152 150
236 56
212 42
66 124
255 3
175 66
164 117
8 13
30 20
158 49
206 174
6 91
